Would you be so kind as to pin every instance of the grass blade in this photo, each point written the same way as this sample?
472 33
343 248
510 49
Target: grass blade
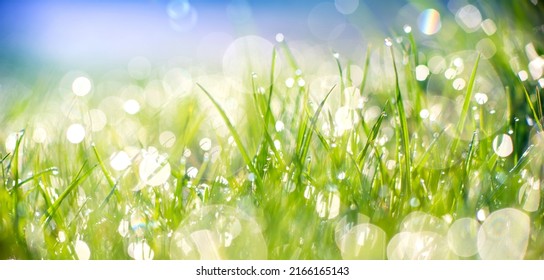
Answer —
235 135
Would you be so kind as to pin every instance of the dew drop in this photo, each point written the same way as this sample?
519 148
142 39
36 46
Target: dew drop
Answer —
388 42
502 145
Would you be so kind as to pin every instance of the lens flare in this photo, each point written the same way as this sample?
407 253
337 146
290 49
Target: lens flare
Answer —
429 22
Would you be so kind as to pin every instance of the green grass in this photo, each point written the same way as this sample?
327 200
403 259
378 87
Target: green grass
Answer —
330 152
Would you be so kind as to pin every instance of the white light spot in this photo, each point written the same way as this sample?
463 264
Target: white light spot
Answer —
481 98
469 17
61 236
140 251
388 42
75 133
289 82
280 38
123 228
82 250
459 84
523 76
422 72
489 27
450 73
280 126
192 172
407 28
205 144
11 142
154 168
301 82
167 139
120 161
131 106
502 145
424 113
81 86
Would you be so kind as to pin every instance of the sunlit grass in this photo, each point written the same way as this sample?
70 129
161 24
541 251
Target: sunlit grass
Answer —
362 159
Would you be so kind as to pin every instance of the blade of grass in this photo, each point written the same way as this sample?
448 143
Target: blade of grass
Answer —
365 71
531 106
51 211
407 175
466 105
235 135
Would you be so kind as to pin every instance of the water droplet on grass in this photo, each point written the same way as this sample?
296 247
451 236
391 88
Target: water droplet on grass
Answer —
388 42
407 28
502 145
